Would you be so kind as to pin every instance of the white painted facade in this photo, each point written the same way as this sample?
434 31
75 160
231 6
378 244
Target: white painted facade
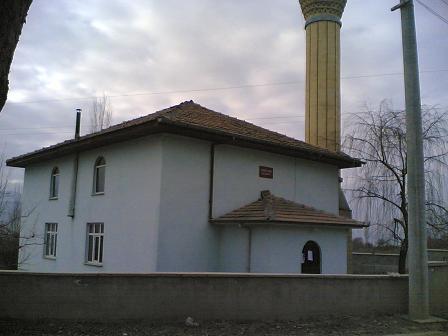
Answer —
279 249
156 205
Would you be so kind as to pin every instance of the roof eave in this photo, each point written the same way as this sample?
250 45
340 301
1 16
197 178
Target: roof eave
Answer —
242 141
163 124
86 143
218 221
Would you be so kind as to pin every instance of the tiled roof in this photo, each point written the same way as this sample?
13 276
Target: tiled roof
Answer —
269 209
194 120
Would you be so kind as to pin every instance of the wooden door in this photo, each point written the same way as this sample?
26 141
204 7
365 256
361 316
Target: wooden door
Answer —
311 258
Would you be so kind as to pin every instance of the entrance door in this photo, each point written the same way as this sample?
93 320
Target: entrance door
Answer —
311 258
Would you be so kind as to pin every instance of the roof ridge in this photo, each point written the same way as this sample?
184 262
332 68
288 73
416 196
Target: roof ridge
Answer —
301 205
259 128
213 125
309 207
256 126
270 209
268 206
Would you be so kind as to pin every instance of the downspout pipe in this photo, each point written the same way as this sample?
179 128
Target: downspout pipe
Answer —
249 250
72 201
211 181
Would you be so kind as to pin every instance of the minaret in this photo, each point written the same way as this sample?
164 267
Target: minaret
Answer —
323 93
323 84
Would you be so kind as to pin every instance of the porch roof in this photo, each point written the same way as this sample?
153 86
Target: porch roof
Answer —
272 210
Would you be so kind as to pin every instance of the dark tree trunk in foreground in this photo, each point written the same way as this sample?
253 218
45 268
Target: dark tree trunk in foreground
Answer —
402 258
12 18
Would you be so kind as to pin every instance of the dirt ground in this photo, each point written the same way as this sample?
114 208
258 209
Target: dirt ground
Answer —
348 325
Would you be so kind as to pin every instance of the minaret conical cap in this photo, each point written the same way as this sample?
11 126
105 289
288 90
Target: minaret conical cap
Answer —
313 8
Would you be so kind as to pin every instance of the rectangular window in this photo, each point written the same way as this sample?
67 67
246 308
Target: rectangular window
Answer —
100 177
55 187
95 239
54 183
50 240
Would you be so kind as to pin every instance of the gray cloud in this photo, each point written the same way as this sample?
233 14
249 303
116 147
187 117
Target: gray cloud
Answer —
81 49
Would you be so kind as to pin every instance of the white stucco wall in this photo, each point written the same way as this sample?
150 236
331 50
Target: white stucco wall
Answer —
275 249
237 181
129 209
279 249
155 209
37 210
187 242
234 249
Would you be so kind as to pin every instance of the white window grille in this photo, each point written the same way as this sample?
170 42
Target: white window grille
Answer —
95 243
51 239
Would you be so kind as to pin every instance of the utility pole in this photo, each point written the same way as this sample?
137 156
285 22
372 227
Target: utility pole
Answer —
418 255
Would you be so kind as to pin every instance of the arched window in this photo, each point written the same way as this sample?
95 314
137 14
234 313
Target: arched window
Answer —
54 183
99 176
311 258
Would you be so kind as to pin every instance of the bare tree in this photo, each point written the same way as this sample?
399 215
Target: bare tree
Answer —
13 240
380 186
12 18
100 114
9 223
10 236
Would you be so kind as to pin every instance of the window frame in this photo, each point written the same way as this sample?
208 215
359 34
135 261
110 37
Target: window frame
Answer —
95 176
50 230
54 181
97 257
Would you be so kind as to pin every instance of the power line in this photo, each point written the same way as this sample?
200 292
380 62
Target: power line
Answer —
33 128
37 133
276 117
445 2
244 86
260 119
433 12
71 126
163 92
66 132
391 74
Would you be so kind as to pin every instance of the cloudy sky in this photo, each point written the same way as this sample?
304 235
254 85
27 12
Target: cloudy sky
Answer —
243 58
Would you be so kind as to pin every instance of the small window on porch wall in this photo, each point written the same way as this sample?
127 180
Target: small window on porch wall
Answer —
99 176
54 183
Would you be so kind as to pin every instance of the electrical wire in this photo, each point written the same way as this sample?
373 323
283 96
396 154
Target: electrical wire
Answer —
71 126
36 133
445 2
433 12
259 119
244 86
161 92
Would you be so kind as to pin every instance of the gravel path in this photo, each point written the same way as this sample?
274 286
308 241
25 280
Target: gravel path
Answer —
373 325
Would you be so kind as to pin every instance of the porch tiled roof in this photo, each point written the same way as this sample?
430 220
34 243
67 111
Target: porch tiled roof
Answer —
269 209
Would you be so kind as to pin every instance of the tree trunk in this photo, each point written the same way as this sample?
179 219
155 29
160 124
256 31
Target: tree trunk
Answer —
12 18
402 257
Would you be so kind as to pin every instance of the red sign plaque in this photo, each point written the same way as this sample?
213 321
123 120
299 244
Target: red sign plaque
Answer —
266 172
